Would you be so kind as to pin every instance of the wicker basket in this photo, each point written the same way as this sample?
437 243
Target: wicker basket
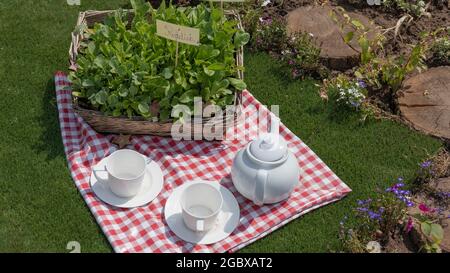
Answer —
138 125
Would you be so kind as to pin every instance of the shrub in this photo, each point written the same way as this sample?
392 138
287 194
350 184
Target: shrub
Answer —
270 35
302 56
412 7
440 51
375 218
377 69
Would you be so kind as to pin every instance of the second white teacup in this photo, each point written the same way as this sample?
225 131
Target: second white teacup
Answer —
126 171
201 204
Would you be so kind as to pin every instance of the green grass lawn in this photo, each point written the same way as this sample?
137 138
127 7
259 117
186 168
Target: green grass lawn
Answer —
40 208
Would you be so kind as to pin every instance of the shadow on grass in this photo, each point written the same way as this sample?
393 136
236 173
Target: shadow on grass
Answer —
50 141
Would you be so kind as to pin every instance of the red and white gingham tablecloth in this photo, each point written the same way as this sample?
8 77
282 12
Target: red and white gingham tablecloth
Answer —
143 229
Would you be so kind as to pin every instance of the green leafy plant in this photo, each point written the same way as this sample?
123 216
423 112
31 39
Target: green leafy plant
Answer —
375 218
416 8
440 51
126 69
270 35
429 225
434 234
349 95
377 69
303 56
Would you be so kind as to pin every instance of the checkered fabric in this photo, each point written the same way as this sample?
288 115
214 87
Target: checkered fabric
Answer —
143 229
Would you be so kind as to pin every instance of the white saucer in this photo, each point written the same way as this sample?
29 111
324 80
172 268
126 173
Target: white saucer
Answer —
227 221
151 187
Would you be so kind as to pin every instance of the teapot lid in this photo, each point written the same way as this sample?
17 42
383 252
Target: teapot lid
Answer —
269 147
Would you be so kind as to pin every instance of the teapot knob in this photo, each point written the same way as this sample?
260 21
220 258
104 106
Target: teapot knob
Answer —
267 142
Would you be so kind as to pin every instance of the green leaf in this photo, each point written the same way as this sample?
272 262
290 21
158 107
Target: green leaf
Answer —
241 38
357 24
77 94
208 71
425 227
100 61
237 83
216 14
143 108
436 232
187 96
101 97
358 75
217 66
91 47
167 73
123 92
133 90
348 36
88 83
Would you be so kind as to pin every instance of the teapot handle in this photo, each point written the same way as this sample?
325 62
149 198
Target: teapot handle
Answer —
261 179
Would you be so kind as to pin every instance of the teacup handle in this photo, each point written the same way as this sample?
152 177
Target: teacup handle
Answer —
261 179
98 177
200 225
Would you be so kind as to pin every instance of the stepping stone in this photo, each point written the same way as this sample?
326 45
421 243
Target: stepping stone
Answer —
424 101
335 53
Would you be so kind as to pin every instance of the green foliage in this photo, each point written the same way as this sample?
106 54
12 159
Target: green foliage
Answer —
377 69
349 95
124 68
413 7
250 14
434 235
303 56
440 51
374 220
270 35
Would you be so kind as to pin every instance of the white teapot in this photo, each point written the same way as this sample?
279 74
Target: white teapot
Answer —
265 171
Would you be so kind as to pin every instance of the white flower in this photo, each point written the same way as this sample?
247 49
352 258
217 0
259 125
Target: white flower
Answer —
373 247
310 34
265 3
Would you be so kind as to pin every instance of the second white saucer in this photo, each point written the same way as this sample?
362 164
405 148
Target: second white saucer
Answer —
227 221
151 187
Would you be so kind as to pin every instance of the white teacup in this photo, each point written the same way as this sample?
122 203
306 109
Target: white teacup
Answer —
126 171
201 204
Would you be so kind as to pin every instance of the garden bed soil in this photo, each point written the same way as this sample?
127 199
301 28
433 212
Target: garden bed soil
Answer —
400 243
440 17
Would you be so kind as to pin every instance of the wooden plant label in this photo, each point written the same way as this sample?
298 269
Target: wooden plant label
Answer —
178 33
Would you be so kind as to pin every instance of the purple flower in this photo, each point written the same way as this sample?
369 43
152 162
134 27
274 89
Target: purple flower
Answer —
291 62
374 215
425 164
362 209
362 84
